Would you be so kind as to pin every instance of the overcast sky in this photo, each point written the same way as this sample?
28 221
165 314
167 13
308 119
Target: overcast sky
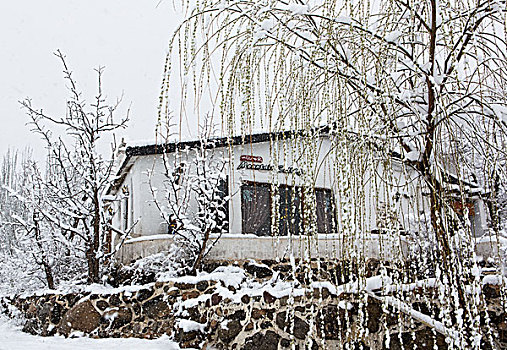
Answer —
128 37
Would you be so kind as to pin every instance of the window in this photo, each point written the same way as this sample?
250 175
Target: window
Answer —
124 210
326 218
289 210
256 209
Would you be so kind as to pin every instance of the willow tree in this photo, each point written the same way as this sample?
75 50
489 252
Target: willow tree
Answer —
422 80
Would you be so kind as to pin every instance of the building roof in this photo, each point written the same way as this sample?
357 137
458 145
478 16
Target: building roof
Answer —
210 143
171 147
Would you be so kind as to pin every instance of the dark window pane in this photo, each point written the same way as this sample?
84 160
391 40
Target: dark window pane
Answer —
326 220
256 208
289 210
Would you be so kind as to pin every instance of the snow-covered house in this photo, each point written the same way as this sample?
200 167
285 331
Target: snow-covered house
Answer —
271 188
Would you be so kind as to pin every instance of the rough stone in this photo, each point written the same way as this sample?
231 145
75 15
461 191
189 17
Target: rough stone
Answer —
268 262
190 339
144 294
136 308
258 313
374 310
172 292
82 317
424 340
156 308
321 293
237 315
215 299
56 313
30 310
268 298
190 294
245 299
114 300
266 325
184 286
148 314
327 321
118 317
31 326
202 285
258 271
260 341
282 268
491 291
301 328
284 343
230 331
44 312
101 305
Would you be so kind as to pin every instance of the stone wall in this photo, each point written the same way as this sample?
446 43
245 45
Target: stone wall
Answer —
214 310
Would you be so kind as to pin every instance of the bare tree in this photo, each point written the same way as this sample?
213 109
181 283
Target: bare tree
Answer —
193 201
77 174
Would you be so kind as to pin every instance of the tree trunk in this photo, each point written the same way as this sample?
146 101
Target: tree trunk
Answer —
49 275
435 187
200 255
44 259
93 252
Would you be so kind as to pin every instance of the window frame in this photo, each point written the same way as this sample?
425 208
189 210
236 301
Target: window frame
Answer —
299 214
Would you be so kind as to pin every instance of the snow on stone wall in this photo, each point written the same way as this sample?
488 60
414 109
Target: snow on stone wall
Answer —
254 305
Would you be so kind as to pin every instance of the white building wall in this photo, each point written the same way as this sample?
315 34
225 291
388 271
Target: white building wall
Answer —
147 216
395 185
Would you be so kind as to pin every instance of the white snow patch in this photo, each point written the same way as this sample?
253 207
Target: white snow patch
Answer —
12 338
345 305
493 279
378 282
413 156
149 238
343 19
189 325
426 283
297 9
393 37
370 284
439 326
330 287
267 24
230 275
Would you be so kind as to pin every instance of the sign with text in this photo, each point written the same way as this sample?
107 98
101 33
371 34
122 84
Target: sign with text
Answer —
249 158
268 167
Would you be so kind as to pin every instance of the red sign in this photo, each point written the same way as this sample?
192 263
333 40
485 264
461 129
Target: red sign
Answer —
459 208
248 158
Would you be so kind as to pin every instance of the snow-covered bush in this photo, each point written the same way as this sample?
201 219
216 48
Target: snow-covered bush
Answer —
194 199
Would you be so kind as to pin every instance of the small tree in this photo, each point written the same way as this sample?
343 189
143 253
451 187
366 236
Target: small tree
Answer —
20 253
193 176
77 174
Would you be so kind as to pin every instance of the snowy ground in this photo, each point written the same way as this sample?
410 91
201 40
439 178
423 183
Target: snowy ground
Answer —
12 338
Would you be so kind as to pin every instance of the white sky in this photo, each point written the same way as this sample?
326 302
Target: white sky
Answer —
128 37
